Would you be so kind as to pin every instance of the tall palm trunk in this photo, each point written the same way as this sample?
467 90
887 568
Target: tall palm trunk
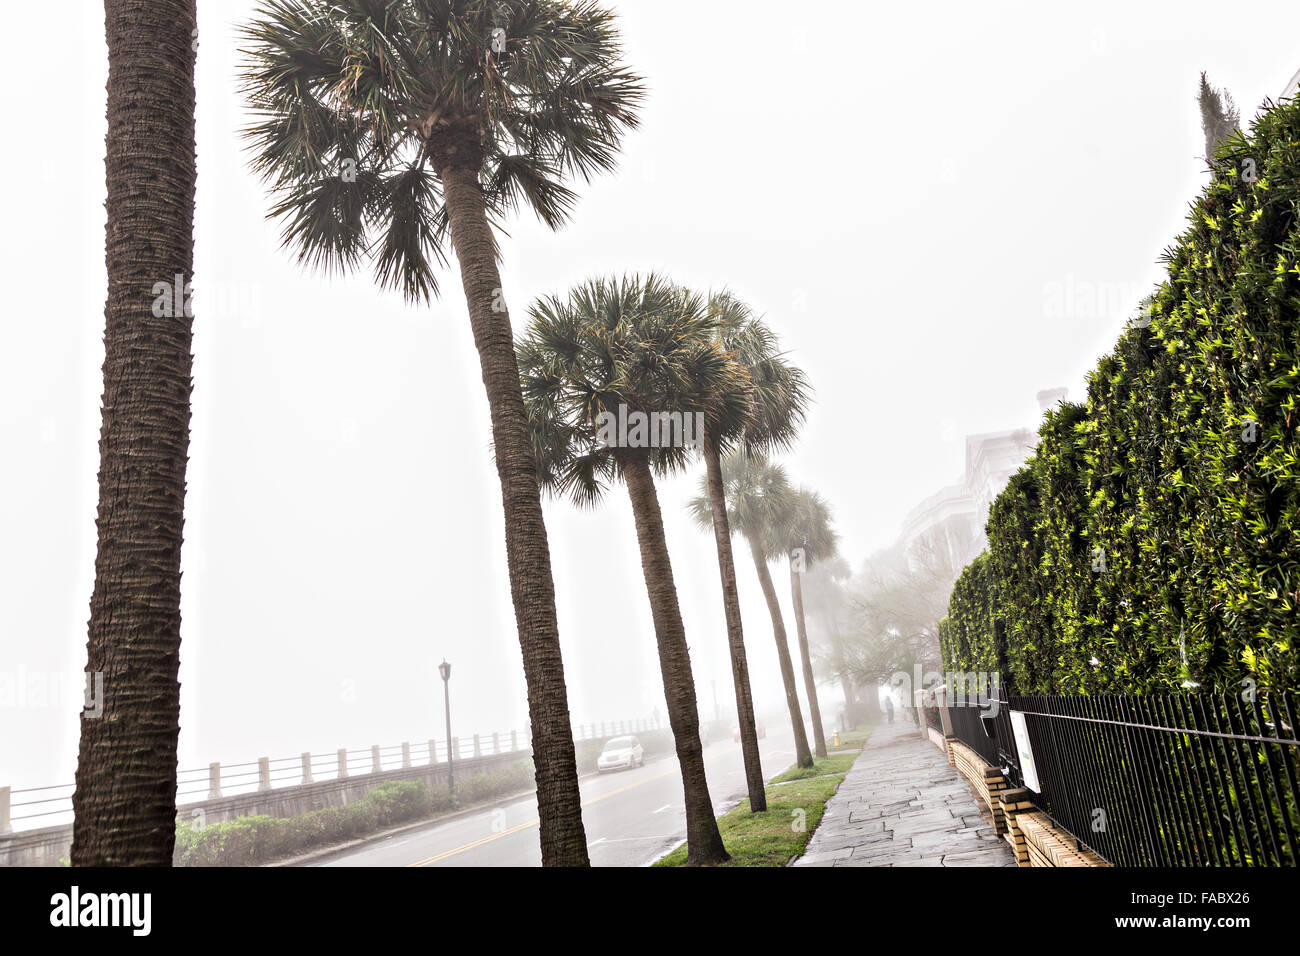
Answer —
703 841
809 683
125 798
802 755
559 806
735 631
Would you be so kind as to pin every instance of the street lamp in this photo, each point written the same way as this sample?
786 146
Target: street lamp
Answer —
445 670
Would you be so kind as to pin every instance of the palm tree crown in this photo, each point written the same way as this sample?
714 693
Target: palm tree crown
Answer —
805 527
776 403
639 343
362 105
758 494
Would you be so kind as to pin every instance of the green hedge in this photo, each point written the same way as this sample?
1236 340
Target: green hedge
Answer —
1167 504
966 635
251 841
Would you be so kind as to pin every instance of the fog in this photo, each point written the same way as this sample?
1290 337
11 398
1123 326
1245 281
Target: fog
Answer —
940 209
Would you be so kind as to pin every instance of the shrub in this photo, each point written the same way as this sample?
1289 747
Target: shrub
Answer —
253 840
1157 527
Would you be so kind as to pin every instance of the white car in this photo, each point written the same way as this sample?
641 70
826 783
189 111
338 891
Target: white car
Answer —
620 753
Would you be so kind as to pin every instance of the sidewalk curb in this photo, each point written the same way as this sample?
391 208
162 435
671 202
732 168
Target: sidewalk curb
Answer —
732 804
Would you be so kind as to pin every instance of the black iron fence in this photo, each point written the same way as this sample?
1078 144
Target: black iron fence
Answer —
1156 780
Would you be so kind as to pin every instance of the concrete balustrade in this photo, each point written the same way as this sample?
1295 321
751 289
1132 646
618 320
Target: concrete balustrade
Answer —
47 845
214 781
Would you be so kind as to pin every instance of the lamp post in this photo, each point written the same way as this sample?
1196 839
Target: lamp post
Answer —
445 670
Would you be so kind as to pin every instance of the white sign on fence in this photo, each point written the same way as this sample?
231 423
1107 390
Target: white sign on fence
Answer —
1027 769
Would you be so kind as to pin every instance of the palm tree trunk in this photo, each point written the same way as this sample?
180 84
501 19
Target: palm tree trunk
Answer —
703 841
559 806
125 798
735 630
802 755
809 683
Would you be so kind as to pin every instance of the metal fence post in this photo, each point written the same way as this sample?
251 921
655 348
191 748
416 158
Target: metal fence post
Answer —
214 781
343 763
406 755
376 764
433 751
5 824
454 748
477 751
514 740
306 768
263 773
496 742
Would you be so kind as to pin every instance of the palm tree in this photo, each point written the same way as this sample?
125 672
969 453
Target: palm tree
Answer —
766 417
387 127
758 494
598 369
807 538
125 798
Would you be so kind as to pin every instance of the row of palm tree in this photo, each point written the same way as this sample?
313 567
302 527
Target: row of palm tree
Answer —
385 129
389 132
640 345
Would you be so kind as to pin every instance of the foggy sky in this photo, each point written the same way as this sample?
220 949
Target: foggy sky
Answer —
907 192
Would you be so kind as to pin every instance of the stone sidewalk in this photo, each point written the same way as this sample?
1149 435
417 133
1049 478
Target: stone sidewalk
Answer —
902 804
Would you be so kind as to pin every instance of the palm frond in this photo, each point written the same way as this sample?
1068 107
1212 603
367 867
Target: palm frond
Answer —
352 99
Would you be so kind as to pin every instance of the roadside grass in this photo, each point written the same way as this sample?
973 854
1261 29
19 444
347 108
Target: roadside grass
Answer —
834 763
852 739
796 801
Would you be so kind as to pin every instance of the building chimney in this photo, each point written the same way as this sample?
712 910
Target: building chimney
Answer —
1049 398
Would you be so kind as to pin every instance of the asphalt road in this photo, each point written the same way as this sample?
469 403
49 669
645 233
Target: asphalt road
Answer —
631 816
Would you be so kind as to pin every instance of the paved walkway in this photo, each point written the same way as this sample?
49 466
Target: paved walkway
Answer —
902 804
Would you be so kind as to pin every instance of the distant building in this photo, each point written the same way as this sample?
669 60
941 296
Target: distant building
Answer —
953 517
1292 88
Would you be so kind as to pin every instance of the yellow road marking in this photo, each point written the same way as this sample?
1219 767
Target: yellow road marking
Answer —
535 821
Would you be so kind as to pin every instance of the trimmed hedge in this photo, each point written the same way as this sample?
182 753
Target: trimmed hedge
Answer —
251 841
1161 518
966 634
